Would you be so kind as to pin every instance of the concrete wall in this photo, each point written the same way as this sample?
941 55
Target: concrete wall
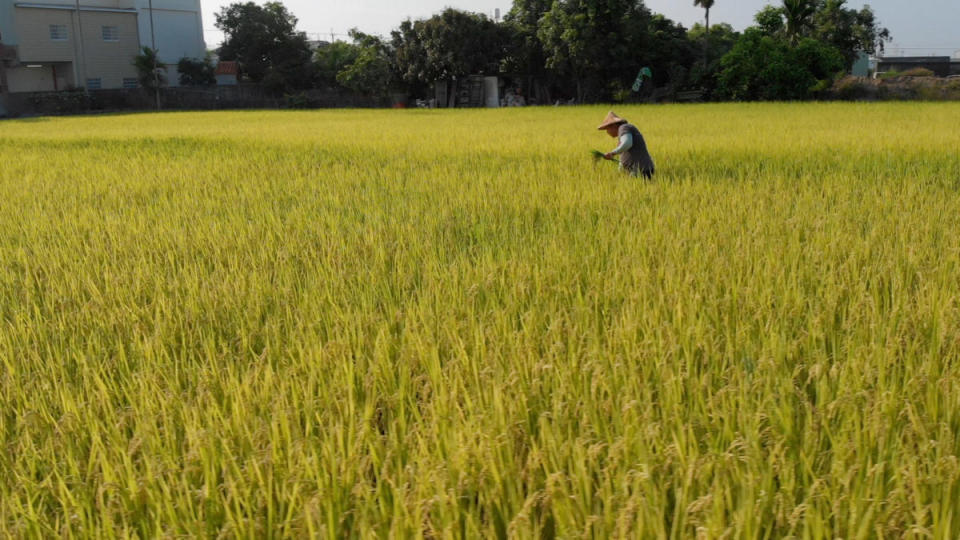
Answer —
177 25
177 29
109 61
24 79
36 46
8 33
45 78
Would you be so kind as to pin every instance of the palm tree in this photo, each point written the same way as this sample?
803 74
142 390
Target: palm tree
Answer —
706 5
150 72
798 14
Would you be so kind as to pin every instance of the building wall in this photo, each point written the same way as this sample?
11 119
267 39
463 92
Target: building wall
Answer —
109 61
177 26
33 25
8 33
177 30
24 79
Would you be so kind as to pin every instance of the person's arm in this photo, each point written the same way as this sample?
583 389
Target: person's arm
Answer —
626 143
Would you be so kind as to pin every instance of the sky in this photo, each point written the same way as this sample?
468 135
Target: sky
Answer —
919 27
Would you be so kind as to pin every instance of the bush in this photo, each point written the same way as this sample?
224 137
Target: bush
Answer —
915 72
850 89
918 72
194 72
770 68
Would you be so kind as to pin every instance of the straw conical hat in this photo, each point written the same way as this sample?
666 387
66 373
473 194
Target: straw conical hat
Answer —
611 120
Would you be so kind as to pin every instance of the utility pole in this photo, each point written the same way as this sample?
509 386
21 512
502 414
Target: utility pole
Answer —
156 57
82 67
3 79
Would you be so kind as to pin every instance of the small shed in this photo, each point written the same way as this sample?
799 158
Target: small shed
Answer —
226 73
861 66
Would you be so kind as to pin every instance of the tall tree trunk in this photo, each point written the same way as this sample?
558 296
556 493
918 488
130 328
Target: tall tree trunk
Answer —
706 44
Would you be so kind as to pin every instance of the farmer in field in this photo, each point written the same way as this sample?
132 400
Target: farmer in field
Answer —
634 158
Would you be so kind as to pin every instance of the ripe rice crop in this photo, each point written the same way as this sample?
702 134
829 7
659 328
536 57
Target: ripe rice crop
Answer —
457 324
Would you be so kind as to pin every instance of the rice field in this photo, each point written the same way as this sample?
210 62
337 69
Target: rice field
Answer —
454 324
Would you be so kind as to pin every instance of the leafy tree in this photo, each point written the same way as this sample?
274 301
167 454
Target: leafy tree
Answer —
525 54
369 74
265 43
150 72
450 45
194 72
596 43
848 30
372 71
332 59
830 21
770 20
764 67
668 50
722 40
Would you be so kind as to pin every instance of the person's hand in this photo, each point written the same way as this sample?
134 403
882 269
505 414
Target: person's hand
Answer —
608 156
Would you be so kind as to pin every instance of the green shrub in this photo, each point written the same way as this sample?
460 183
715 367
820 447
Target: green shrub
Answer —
918 72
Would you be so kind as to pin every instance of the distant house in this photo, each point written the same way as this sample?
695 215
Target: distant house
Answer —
226 73
941 66
61 44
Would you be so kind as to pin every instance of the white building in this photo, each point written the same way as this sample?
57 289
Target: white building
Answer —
177 29
52 46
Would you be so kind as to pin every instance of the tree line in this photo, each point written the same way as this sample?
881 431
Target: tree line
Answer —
570 50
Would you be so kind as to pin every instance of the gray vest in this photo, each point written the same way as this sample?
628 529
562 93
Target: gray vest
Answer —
636 159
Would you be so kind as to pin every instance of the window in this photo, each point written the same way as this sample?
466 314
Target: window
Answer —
58 32
93 84
130 83
110 33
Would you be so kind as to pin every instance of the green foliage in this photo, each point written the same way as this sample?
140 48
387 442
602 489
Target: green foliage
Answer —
720 40
830 21
365 66
917 72
597 44
150 72
525 54
369 74
797 50
669 52
194 72
763 67
770 20
332 59
267 46
452 44
848 30
798 18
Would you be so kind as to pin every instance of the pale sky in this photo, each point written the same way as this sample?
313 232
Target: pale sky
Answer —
919 27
